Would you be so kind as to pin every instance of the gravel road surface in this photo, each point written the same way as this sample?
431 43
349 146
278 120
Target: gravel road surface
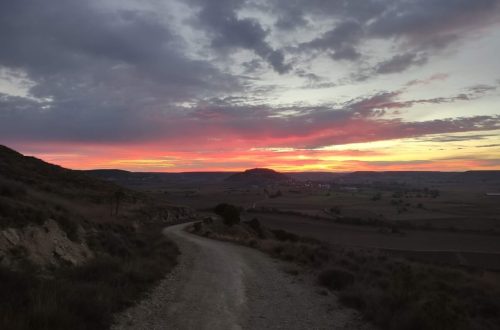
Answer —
219 285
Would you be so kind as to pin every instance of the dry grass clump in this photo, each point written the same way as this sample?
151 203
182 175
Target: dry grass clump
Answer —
86 297
399 294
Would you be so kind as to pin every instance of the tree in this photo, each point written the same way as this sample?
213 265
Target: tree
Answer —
377 197
335 209
230 214
118 197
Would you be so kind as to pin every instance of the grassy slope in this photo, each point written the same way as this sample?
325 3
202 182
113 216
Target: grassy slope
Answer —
131 254
32 191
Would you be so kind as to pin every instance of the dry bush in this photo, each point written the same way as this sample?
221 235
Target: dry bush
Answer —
85 297
335 278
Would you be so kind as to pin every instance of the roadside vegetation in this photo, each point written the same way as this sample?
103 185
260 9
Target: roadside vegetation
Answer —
391 292
49 215
86 296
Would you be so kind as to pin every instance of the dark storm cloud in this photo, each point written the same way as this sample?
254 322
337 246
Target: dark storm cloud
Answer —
64 36
430 22
94 62
103 75
228 31
253 66
290 18
297 10
341 40
421 27
228 119
345 32
346 52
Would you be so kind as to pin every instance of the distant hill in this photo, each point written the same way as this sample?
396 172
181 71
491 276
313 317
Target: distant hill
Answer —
395 176
479 176
315 176
257 176
151 180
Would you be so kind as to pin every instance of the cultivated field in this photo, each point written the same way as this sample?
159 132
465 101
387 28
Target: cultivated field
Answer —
435 222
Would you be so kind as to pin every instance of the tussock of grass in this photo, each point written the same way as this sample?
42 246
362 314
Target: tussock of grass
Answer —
85 297
336 278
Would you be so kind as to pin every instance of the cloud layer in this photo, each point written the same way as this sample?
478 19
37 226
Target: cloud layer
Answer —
213 75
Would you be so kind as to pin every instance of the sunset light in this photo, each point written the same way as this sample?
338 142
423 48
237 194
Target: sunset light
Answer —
249 164
191 86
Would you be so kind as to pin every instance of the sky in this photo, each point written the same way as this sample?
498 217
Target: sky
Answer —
216 85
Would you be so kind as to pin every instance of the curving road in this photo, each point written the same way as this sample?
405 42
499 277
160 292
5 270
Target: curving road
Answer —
219 285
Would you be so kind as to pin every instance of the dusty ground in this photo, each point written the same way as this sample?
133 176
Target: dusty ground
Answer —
220 285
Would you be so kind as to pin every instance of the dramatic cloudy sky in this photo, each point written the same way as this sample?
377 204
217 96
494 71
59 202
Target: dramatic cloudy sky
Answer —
186 85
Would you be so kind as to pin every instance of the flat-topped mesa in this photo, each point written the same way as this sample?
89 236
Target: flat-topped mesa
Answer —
258 176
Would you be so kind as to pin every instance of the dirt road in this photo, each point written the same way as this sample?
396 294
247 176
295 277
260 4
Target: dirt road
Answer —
220 285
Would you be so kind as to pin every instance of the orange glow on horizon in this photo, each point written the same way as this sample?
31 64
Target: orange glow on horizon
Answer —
403 156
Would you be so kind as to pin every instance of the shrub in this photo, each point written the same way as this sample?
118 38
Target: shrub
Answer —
87 296
282 235
335 278
11 189
230 214
255 225
335 210
197 226
70 227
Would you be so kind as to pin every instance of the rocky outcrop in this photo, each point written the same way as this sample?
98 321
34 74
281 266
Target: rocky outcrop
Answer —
44 246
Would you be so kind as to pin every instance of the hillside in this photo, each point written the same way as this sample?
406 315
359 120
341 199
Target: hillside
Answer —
152 180
70 243
257 176
32 191
35 194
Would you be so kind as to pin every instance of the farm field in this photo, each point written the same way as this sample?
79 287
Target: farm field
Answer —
452 210
428 216
442 223
367 236
463 249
